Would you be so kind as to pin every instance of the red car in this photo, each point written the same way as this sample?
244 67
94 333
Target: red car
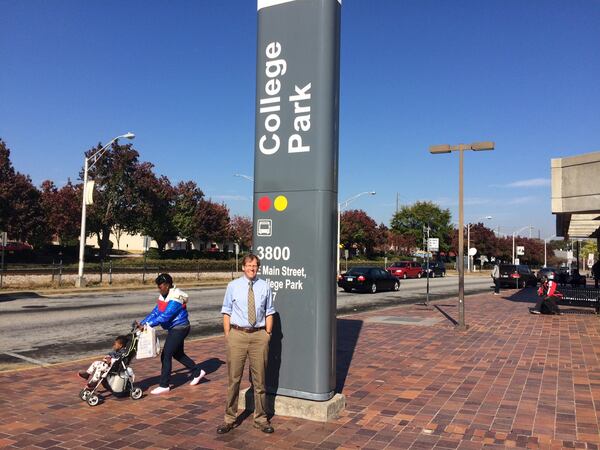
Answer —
14 246
406 269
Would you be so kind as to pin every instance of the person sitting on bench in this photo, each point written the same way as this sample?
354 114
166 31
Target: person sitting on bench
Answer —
548 295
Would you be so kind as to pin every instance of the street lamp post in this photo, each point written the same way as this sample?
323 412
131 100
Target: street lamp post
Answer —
88 163
513 240
469 257
545 242
246 177
460 148
341 206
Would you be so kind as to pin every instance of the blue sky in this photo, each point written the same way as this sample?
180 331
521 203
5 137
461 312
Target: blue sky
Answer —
181 76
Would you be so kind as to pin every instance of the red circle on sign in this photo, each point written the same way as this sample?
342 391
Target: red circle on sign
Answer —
264 203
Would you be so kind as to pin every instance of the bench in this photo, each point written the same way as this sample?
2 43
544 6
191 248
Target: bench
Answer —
580 296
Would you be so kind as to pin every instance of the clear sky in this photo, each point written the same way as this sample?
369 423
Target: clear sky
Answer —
181 76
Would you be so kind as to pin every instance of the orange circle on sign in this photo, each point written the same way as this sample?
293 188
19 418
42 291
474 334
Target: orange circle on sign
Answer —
264 203
280 203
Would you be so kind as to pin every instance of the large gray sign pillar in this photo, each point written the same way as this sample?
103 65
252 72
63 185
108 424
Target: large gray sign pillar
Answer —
295 188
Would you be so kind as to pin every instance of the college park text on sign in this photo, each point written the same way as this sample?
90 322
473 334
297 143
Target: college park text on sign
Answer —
269 144
270 106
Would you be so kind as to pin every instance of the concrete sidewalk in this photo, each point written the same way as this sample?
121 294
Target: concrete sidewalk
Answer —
410 381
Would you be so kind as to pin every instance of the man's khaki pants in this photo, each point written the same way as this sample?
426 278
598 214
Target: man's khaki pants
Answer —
255 347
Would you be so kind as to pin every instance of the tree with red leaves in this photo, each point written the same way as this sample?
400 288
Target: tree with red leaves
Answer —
240 231
358 230
21 215
62 209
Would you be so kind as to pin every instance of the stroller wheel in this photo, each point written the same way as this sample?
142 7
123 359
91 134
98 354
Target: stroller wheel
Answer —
84 394
136 393
93 400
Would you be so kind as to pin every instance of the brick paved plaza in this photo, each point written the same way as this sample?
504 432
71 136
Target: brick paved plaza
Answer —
410 381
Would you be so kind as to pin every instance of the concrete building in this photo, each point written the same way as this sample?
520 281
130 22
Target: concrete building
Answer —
576 196
134 243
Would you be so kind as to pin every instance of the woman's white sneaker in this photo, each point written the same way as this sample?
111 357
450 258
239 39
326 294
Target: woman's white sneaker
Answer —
160 390
197 379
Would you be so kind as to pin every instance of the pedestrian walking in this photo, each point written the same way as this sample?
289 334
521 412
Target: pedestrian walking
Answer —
496 277
171 314
247 323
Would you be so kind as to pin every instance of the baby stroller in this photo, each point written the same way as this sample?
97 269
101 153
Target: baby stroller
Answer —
119 377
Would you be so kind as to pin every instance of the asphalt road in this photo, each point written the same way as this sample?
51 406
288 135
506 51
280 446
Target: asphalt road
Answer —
51 329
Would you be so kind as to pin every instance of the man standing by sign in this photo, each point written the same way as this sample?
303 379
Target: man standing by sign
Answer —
247 322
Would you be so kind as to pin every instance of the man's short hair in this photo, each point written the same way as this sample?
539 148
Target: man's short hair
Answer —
249 258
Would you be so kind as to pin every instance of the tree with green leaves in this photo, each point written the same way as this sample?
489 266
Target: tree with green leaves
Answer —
116 197
409 222
156 206
187 205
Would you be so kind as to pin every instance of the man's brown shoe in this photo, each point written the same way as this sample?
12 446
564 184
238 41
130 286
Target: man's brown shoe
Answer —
225 428
266 428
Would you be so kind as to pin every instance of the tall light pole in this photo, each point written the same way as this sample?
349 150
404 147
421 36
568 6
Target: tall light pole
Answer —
88 163
469 257
341 206
251 179
545 242
246 177
460 148
513 240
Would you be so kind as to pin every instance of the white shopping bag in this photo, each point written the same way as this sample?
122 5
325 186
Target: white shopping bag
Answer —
148 345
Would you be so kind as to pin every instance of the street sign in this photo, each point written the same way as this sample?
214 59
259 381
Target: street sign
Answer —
147 241
517 261
520 250
433 244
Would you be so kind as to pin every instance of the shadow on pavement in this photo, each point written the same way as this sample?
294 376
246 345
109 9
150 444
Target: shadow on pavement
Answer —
445 314
348 331
9 297
182 375
525 295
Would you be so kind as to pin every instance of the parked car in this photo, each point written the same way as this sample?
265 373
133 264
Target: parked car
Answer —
15 246
516 276
406 269
542 274
368 279
436 269
576 279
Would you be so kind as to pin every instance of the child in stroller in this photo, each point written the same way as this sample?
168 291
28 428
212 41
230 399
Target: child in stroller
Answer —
113 371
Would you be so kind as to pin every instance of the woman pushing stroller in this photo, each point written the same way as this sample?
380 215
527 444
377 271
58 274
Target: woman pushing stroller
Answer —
171 314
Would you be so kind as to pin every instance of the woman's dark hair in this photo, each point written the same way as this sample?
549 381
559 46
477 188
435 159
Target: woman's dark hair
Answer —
164 278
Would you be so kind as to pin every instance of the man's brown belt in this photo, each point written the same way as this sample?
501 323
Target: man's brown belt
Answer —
247 329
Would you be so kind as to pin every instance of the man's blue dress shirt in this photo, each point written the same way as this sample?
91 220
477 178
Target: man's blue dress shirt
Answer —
235 303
